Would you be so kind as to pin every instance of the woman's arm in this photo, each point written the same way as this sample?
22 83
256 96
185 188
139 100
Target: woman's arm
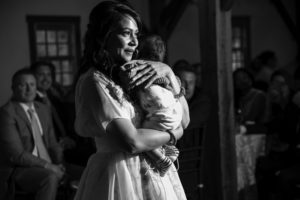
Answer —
134 140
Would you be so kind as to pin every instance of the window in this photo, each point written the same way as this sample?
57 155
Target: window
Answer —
240 42
56 39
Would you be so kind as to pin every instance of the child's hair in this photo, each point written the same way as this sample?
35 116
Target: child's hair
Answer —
152 47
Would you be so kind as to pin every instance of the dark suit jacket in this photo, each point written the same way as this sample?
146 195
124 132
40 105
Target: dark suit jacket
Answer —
16 140
55 106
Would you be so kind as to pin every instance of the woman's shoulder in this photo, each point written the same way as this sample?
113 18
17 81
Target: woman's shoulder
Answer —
94 76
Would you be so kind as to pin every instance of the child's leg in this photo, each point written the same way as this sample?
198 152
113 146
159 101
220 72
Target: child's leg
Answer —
171 151
162 162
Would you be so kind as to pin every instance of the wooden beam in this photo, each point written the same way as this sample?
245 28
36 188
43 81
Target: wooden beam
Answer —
170 16
219 170
286 18
164 17
155 9
297 10
226 5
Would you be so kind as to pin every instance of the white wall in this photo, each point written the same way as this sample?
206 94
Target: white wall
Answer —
184 43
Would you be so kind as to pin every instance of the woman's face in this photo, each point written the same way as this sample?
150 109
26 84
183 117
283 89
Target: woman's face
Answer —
123 41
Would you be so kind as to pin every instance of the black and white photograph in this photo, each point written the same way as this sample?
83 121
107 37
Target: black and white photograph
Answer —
150 100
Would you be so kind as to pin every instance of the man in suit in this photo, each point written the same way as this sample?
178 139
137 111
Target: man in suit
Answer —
198 101
30 155
49 95
76 149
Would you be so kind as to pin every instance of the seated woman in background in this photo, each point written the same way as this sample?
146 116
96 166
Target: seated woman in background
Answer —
283 114
281 162
250 103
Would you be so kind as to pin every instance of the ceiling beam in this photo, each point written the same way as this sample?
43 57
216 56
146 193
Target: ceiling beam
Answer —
170 16
286 18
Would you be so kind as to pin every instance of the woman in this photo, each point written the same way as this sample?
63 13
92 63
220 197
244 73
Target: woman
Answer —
119 170
249 101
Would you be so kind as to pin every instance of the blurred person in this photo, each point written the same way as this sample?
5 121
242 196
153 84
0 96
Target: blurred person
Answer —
282 155
268 64
193 137
251 103
198 101
43 72
283 114
76 149
31 155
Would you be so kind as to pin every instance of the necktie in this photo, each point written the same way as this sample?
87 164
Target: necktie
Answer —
37 136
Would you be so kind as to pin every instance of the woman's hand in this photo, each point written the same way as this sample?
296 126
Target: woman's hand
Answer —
144 73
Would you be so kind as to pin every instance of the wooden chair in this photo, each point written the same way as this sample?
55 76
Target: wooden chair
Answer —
190 162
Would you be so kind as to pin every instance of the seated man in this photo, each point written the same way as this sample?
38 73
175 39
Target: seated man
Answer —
49 95
199 102
76 149
30 155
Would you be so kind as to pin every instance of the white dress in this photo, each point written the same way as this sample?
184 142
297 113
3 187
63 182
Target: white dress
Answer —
110 173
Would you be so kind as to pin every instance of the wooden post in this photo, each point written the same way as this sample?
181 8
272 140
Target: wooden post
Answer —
219 161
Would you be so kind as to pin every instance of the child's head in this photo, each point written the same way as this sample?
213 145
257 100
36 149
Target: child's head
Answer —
152 47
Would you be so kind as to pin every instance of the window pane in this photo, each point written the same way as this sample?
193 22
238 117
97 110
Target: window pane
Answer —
51 36
56 63
41 50
62 36
236 43
66 67
63 50
40 36
238 55
236 32
52 49
234 67
67 79
58 78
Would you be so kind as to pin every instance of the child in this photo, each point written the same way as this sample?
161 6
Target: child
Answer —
163 109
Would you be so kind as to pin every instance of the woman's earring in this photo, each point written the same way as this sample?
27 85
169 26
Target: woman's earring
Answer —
135 54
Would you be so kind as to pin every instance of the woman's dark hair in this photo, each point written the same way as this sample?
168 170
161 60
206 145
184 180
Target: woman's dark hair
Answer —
102 19
265 56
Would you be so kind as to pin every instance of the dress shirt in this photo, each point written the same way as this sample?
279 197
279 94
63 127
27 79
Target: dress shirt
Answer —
26 108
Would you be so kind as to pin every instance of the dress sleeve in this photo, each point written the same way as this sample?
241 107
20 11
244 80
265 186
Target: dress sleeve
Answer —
110 102
99 101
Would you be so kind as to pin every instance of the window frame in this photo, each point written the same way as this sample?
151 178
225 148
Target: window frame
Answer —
243 22
51 21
